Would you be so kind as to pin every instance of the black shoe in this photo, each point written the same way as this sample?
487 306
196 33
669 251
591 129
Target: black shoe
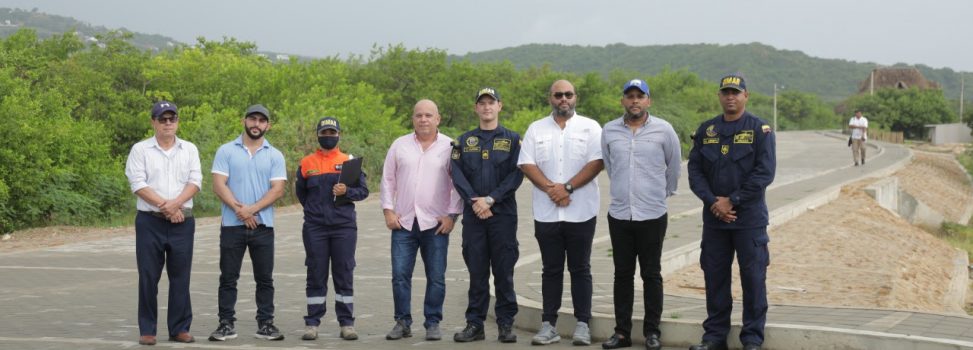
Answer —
268 331
472 332
616 341
652 342
709 345
506 334
753 346
223 332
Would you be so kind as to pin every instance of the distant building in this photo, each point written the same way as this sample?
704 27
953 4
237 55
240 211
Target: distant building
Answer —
282 57
895 77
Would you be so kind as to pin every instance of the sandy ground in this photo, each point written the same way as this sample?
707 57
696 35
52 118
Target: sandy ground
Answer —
851 252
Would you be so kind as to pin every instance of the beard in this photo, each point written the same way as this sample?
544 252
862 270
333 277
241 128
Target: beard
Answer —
567 112
251 135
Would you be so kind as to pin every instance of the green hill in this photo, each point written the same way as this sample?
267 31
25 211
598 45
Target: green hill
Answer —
832 79
46 25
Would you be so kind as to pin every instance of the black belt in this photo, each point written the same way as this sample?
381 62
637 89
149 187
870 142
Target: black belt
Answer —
187 213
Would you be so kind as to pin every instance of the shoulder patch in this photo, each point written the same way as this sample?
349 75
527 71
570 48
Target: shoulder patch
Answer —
765 128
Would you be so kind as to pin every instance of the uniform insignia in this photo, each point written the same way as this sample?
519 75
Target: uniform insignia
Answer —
486 154
501 145
745 136
711 140
725 149
711 130
472 141
337 167
471 149
455 154
766 128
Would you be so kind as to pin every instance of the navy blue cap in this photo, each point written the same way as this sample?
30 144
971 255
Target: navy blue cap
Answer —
161 107
733 81
257 108
636 83
488 91
328 123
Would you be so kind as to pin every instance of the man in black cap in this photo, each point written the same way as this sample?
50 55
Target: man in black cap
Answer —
732 162
164 172
330 230
486 176
248 176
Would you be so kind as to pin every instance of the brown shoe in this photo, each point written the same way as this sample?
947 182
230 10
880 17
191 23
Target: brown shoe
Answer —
147 340
183 337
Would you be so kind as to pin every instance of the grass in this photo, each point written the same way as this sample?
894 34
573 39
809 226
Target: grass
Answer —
959 236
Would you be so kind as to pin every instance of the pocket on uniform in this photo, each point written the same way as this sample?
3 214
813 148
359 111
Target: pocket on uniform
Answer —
760 245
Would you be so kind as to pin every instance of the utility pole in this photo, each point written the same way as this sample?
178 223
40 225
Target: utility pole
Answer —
775 107
871 88
962 88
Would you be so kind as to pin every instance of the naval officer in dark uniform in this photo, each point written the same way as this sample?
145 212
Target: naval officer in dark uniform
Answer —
486 176
731 163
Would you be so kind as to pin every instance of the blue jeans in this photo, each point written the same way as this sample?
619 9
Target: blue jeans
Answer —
234 242
433 247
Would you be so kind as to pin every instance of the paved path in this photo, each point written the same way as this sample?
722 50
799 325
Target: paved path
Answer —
83 295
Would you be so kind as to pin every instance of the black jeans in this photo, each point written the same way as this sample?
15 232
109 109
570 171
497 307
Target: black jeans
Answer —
234 242
641 241
159 243
560 240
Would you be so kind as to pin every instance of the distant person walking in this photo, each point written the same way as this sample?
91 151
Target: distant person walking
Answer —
561 156
164 172
330 231
859 134
642 156
248 176
731 164
420 207
486 176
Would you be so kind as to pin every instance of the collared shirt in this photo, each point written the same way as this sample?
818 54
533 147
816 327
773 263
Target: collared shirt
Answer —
643 167
485 164
249 176
855 121
736 160
166 172
416 183
561 154
316 176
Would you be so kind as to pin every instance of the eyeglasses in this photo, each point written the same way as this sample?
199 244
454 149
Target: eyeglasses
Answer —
171 120
568 95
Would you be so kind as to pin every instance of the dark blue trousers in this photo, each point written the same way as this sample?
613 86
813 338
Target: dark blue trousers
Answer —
334 248
234 243
718 248
560 241
491 243
159 243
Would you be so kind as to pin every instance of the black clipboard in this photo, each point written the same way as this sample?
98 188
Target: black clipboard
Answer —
350 174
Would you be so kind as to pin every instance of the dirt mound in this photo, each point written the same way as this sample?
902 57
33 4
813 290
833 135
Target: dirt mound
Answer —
852 252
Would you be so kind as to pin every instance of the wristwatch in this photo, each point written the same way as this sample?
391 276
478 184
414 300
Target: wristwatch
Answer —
489 200
569 188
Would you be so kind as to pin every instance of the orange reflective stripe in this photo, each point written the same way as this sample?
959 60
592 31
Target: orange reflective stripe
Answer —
320 163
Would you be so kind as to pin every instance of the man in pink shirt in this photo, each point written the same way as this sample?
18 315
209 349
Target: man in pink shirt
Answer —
420 206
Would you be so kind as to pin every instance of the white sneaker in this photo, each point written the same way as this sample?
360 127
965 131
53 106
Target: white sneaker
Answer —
546 335
310 333
582 334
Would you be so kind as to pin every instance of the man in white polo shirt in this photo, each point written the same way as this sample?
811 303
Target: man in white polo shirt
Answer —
561 155
859 133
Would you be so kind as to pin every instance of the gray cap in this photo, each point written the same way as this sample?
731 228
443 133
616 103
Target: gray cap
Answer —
257 108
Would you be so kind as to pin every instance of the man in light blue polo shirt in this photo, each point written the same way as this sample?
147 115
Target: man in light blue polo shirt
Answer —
248 176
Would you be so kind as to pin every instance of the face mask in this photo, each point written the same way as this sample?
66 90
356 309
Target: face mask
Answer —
328 142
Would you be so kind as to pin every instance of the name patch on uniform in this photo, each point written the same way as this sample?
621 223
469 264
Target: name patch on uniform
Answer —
725 149
711 140
501 145
745 136
711 131
471 149
455 154
486 154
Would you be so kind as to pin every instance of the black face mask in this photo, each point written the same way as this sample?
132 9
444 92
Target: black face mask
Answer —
328 142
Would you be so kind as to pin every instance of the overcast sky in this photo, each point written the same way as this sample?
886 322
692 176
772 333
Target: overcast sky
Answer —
934 33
